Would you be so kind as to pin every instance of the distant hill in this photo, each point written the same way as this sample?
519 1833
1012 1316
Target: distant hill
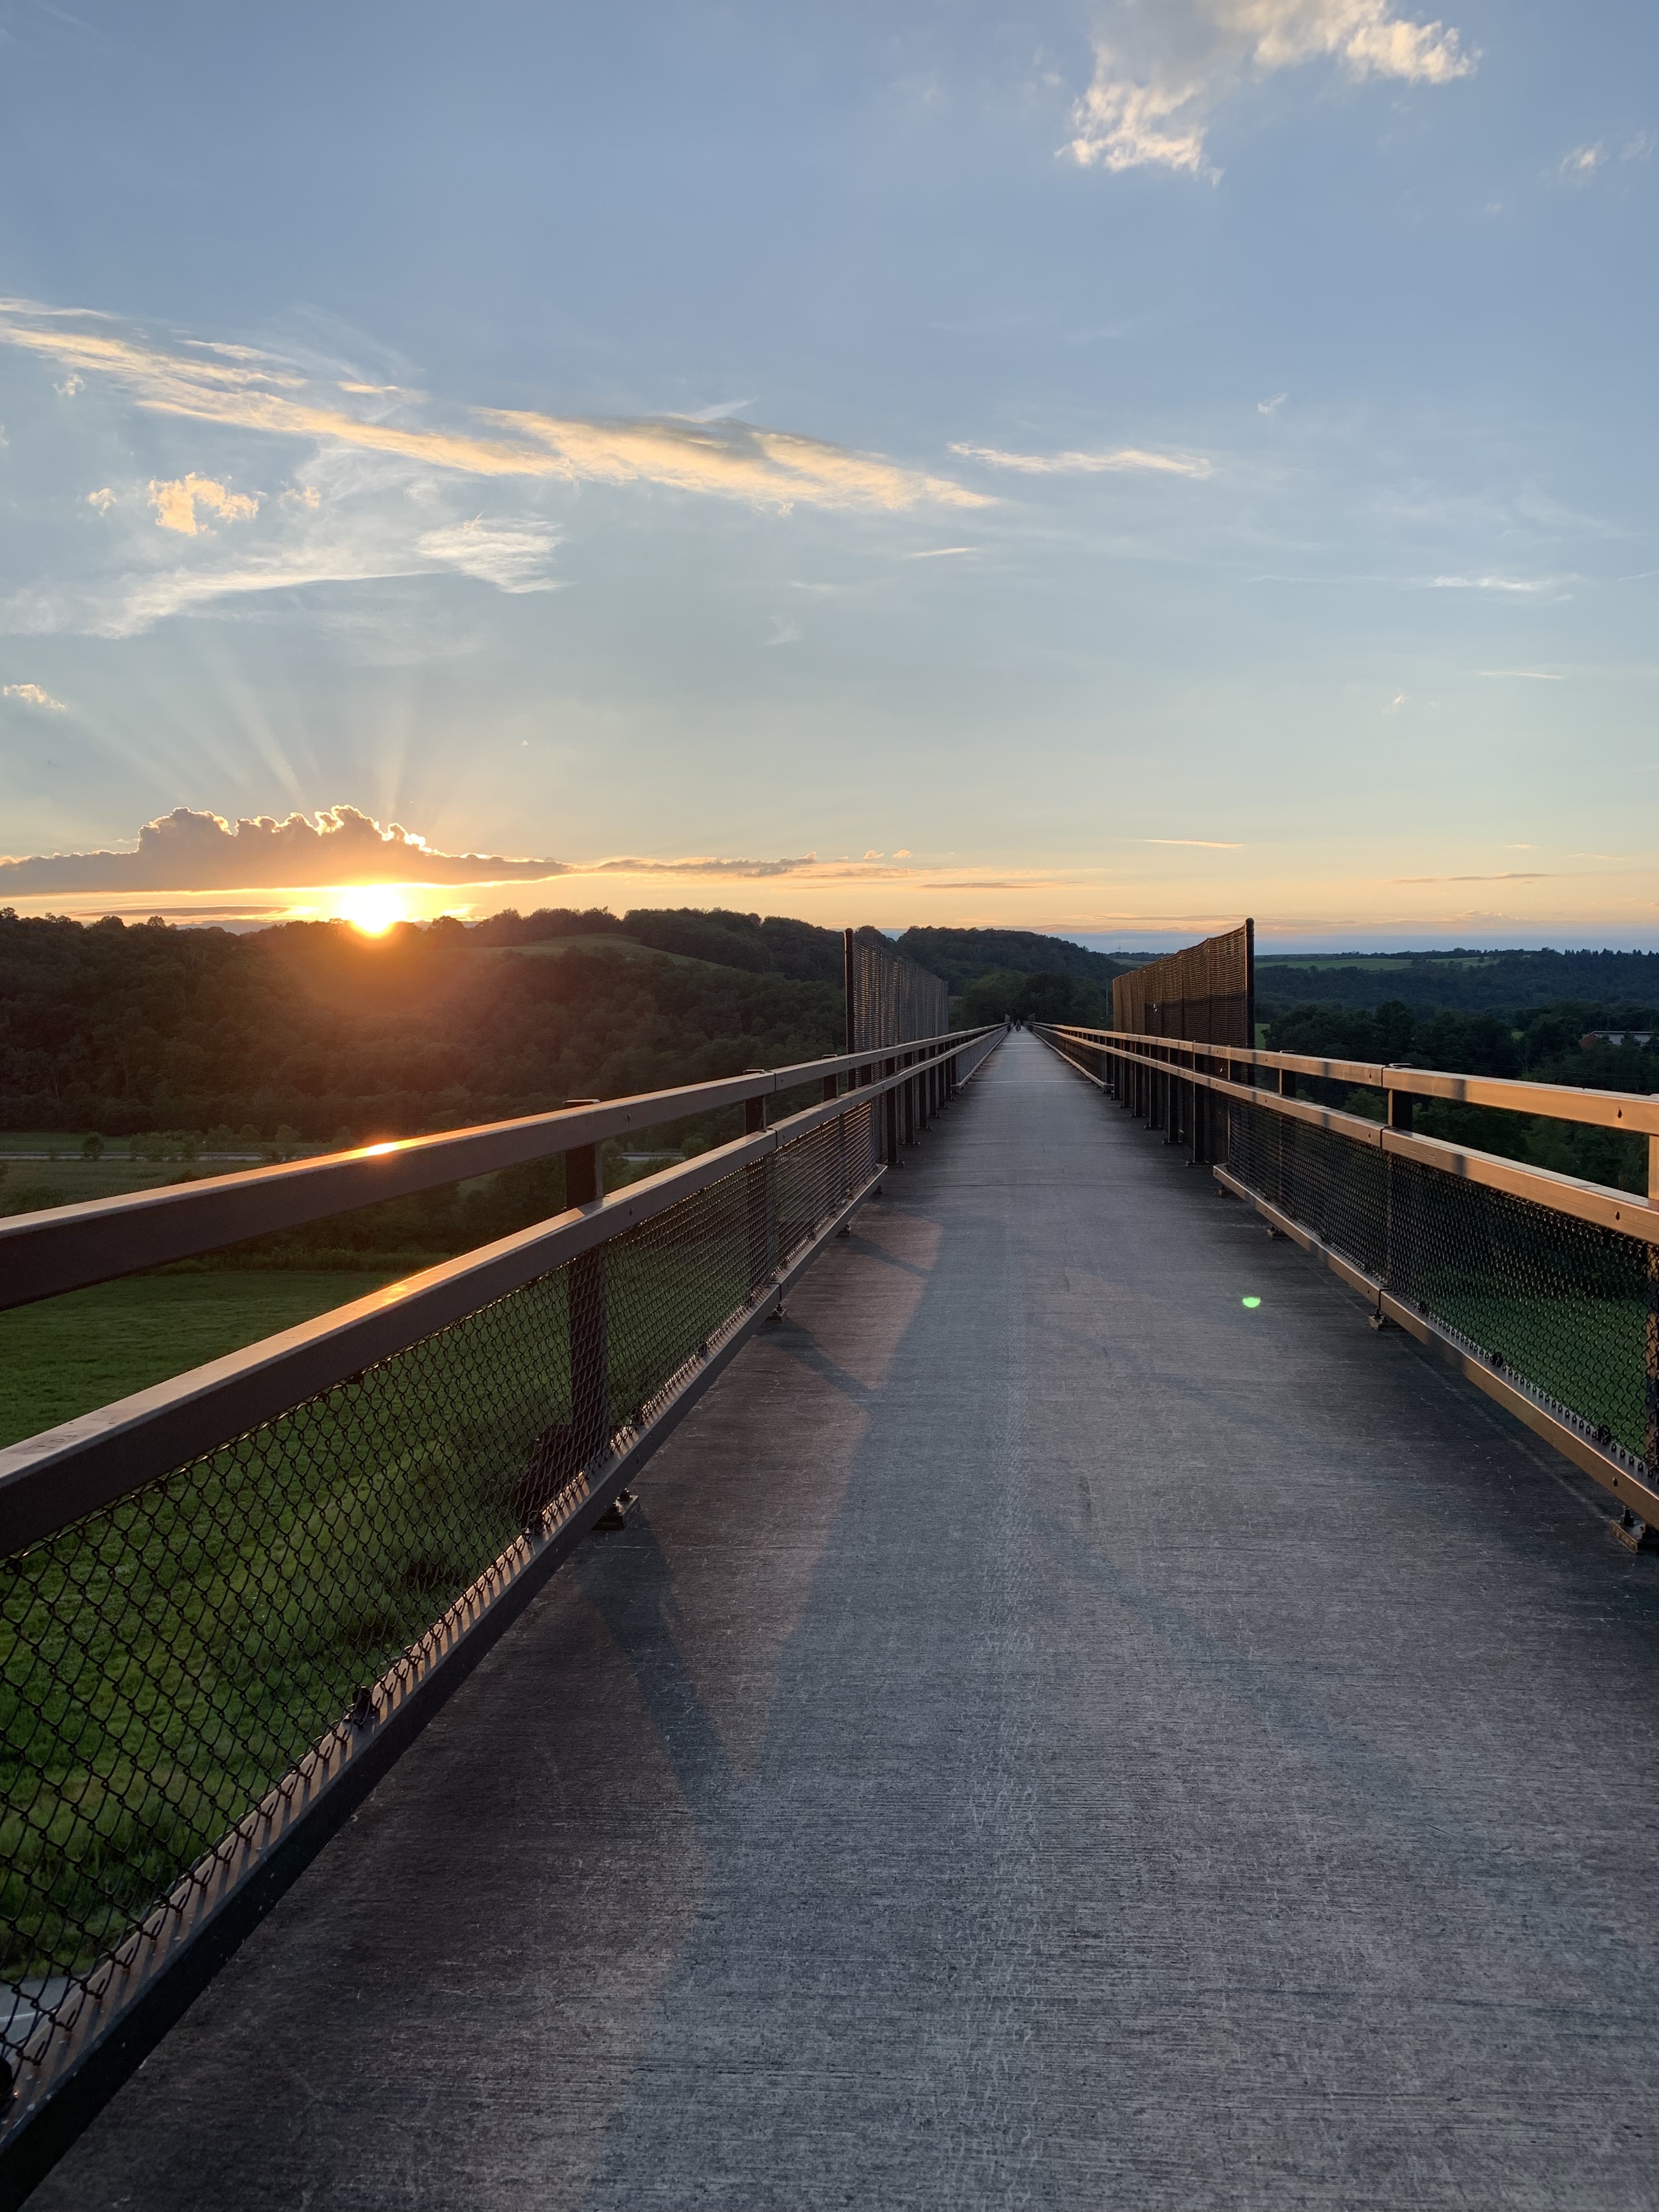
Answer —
777 945
962 954
1467 982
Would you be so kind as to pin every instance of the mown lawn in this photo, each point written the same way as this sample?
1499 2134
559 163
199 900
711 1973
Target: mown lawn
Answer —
68 1355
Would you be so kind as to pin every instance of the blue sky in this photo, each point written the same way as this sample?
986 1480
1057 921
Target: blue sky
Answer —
1099 469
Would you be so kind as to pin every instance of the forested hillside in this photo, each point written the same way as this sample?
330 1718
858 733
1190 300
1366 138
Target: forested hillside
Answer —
1462 982
316 1027
962 956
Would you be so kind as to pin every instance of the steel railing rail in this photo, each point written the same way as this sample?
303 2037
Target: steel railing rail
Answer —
394 1446
68 1248
1630 1111
48 1480
1414 1276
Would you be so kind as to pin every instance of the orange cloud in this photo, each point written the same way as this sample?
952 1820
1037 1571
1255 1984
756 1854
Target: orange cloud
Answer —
733 461
176 503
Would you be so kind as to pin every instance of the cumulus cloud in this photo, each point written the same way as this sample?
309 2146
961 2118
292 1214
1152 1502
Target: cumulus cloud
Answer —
178 505
1128 458
101 501
1162 73
234 387
189 851
31 695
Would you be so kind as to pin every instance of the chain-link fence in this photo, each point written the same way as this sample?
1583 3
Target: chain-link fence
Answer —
1547 1289
173 1661
1566 1307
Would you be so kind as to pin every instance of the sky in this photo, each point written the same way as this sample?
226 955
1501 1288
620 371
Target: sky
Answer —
1102 469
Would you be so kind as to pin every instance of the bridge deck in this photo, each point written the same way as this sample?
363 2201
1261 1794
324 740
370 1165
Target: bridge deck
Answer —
1052 1736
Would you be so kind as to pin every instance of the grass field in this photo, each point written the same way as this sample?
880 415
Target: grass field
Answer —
165 1662
68 1355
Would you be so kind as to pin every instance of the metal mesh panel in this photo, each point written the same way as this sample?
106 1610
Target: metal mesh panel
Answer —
1567 1308
1205 992
890 1000
1328 1182
171 1659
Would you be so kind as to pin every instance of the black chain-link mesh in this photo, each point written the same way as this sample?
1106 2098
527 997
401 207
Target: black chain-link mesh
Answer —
1568 1308
168 1661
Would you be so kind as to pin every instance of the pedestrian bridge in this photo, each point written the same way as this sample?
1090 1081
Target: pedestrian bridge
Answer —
1077 1716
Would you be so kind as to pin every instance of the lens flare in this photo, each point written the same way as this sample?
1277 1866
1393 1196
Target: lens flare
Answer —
372 907
1251 1303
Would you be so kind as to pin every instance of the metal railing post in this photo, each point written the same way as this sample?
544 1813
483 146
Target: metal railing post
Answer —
590 1320
890 1116
754 1184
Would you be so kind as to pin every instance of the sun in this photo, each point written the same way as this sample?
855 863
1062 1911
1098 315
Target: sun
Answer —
372 908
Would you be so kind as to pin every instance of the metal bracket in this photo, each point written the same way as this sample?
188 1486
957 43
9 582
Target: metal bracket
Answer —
1380 1321
1634 1535
616 1515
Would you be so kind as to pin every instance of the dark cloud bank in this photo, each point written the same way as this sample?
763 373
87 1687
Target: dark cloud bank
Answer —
188 851
185 851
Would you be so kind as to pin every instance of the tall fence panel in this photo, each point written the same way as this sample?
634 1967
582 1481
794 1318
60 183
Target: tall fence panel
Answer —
1205 992
890 1000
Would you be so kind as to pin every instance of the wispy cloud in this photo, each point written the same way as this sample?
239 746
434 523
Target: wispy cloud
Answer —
101 501
178 505
1513 876
511 555
1272 406
1524 675
1206 844
31 695
1524 583
775 468
1125 458
721 411
940 552
1160 73
1578 166
1582 163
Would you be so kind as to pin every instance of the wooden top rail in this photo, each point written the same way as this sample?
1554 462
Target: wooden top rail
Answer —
65 1248
1635 1110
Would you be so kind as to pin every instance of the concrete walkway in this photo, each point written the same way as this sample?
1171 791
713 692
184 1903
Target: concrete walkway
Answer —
1054 1736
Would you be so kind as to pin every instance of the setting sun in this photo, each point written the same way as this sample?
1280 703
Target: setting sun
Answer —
372 908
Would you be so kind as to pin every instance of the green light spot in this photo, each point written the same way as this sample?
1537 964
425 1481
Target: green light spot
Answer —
1249 1302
